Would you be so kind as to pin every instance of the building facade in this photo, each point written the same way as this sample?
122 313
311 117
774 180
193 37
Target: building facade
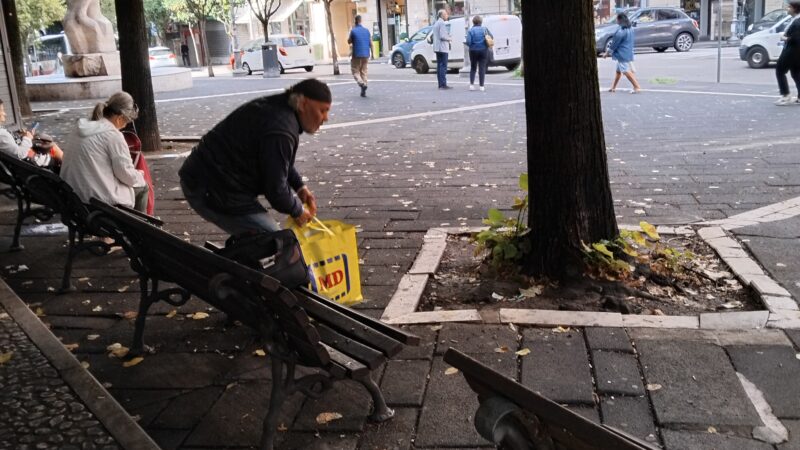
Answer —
8 89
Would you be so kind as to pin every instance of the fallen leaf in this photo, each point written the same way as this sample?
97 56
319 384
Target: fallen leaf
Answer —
326 417
260 352
123 288
71 347
133 362
497 296
650 230
199 315
658 312
560 329
712 430
532 291
502 349
130 315
85 364
39 312
117 350
4 316
513 327
731 305
83 279
282 427
523 352
97 308
436 327
92 337
653 387
450 371
172 313
5 357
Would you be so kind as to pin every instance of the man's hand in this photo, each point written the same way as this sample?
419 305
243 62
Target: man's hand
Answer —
303 218
307 197
27 134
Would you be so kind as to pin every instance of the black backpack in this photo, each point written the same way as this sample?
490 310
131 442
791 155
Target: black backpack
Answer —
275 253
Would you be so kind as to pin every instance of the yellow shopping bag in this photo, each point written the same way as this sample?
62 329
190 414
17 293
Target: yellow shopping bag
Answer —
331 253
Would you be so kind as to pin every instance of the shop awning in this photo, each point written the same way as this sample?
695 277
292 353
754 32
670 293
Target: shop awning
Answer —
285 10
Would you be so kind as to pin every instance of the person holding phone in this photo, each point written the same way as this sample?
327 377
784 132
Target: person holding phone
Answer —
8 144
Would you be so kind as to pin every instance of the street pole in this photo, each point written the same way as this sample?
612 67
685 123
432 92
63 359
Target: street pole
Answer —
719 39
464 72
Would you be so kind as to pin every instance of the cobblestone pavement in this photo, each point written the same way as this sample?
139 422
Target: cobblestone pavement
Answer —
673 159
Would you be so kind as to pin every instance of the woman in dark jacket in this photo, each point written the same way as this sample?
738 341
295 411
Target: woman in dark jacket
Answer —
621 50
789 61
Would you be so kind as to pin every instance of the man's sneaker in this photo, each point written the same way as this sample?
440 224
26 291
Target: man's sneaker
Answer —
797 100
784 101
363 90
483 88
471 87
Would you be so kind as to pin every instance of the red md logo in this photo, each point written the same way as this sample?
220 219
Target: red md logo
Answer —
332 279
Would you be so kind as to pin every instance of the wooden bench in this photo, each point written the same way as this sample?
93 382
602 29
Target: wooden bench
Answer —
514 417
16 191
298 328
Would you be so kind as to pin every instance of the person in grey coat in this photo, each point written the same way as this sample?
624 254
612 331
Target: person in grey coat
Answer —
441 46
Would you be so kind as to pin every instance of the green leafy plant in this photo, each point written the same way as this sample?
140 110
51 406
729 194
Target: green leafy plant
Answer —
506 239
624 256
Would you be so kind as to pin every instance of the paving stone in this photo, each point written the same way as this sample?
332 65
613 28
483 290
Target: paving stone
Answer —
794 335
168 439
167 371
347 398
631 415
315 441
558 365
794 435
236 418
394 434
776 373
58 323
775 304
734 320
771 252
698 385
682 440
425 349
587 412
450 404
404 382
475 339
186 410
617 373
615 339
543 317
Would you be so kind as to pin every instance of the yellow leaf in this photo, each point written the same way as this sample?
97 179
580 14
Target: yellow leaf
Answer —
70 347
712 430
650 230
436 327
560 329
199 316
326 417
39 312
451 371
85 364
532 291
523 352
502 349
133 362
260 352
172 313
117 350
602 249
638 238
5 357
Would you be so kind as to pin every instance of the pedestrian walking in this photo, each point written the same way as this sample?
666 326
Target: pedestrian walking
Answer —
97 162
441 46
478 45
252 152
185 54
621 50
789 60
359 59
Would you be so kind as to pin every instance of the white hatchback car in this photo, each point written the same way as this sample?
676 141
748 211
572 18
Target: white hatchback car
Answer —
162 57
293 53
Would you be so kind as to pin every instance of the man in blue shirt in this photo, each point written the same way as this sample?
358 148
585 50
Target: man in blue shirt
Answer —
360 40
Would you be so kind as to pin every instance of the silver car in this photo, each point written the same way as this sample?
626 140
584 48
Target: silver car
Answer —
659 28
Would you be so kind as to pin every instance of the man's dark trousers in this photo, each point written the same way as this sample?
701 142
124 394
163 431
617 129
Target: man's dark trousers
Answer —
441 68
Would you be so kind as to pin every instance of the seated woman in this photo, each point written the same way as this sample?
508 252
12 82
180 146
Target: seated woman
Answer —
7 143
97 162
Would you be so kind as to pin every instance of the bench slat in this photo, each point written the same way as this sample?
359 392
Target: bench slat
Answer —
344 366
393 332
323 313
369 356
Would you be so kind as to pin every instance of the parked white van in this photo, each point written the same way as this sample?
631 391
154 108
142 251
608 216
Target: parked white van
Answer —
507 50
762 47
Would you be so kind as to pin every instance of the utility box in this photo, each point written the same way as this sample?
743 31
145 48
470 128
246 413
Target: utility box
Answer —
269 56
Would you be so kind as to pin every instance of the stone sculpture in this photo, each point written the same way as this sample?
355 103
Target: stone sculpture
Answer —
91 39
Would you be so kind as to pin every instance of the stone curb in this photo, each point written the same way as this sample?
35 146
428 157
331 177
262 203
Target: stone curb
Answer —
782 311
120 425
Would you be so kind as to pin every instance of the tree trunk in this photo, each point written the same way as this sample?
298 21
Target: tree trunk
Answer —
265 25
204 41
135 64
15 46
334 57
570 195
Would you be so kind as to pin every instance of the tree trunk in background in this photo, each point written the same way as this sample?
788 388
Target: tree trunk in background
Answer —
334 57
204 41
135 64
570 195
17 55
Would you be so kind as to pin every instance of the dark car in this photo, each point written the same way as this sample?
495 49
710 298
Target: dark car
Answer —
659 28
401 53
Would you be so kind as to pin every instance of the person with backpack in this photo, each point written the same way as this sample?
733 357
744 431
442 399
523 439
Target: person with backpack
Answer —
479 41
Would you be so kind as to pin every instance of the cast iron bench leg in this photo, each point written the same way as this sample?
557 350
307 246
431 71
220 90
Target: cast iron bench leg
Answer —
15 246
280 383
147 298
66 285
380 412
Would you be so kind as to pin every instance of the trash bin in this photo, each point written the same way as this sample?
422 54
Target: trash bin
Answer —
269 56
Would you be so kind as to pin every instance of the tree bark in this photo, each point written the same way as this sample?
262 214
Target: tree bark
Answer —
204 41
15 45
570 195
334 57
135 65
